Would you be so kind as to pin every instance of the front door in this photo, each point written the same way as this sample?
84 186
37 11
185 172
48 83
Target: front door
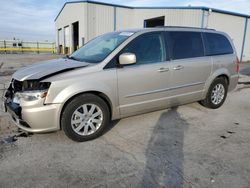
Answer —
144 85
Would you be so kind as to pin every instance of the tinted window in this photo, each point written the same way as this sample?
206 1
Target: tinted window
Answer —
148 48
185 44
217 44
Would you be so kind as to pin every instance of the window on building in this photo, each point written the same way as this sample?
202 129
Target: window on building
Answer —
217 44
185 44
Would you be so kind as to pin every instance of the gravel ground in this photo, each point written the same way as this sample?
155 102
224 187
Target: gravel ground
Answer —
186 146
9 63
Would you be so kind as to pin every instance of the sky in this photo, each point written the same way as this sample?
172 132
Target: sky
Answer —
33 20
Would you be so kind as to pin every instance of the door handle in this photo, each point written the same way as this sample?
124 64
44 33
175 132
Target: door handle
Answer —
179 67
163 69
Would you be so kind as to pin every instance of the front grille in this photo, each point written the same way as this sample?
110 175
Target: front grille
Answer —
16 85
23 123
14 108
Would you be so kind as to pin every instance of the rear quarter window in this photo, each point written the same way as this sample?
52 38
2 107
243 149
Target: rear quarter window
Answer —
217 44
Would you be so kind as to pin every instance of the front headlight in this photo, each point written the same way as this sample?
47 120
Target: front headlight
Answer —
29 96
28 90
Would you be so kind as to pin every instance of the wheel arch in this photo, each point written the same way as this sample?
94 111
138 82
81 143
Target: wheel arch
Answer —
226 77
219 73
103 96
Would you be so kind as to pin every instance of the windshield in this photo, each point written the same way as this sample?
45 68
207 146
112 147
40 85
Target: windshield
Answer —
99 48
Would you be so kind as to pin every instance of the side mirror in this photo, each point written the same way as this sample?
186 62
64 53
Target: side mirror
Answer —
127 59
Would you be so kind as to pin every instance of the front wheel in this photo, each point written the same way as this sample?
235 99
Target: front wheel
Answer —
85 117
217 94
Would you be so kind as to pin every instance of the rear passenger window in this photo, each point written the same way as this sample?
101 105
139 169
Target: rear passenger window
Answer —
217 44
185 44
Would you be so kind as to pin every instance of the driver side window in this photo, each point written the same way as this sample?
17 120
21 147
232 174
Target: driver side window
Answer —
148 48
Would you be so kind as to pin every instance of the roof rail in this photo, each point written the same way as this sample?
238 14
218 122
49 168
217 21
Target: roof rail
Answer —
185 27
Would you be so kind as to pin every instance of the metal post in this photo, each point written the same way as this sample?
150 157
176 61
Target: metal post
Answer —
83 41
202 18
244 40
4 43
53 47
114 18
63 46
37 47
22 46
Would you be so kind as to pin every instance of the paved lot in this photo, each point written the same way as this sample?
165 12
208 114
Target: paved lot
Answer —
187 146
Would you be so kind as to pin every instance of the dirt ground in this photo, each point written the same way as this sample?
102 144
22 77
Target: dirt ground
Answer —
186 146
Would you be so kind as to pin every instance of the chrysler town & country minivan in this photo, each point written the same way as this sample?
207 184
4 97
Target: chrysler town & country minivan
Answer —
121 74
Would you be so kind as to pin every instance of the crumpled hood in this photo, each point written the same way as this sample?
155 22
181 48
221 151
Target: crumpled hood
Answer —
46 68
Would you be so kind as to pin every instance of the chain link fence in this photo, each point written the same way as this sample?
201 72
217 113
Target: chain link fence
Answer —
17 46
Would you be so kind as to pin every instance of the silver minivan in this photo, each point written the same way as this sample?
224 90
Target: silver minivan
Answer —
121 74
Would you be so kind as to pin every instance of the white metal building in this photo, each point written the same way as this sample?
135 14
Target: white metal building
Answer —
80 21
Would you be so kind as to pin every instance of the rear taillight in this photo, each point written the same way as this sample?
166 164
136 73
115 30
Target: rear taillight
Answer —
237 65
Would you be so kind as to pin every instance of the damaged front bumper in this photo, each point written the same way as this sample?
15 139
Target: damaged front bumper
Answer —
33 116
37 119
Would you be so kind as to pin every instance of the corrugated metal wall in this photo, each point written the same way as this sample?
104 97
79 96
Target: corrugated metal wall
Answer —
100 20
134 18
72 13
173 17
124 18
96 19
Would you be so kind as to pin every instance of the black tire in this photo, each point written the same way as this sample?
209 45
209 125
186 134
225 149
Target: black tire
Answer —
207 102
74 104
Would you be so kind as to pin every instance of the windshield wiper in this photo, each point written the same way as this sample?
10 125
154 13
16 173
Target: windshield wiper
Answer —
71 57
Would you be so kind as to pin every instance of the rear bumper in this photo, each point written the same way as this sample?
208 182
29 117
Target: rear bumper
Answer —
233 82
36 118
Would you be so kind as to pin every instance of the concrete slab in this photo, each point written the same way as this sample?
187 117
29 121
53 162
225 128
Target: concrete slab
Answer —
186 146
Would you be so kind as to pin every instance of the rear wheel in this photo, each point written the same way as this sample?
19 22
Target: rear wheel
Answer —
85 117
217 94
